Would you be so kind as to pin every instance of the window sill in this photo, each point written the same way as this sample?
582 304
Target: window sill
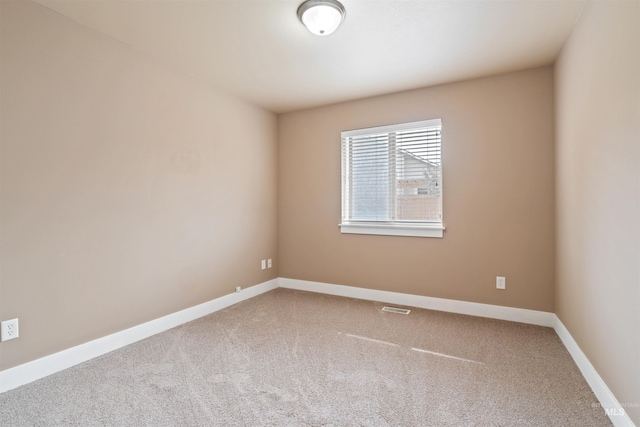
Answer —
432 230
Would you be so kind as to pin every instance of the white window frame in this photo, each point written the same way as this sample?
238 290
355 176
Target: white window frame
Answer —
388 228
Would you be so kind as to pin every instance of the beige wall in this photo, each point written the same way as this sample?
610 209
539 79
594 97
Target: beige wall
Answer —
498 182
129 191
598 193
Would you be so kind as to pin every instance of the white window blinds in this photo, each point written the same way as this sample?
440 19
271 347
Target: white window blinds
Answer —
392 179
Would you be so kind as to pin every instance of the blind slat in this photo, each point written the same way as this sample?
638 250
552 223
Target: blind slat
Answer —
393 173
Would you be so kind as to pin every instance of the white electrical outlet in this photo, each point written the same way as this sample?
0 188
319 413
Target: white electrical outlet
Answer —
264 264
238 288
501 282
9 329
269 263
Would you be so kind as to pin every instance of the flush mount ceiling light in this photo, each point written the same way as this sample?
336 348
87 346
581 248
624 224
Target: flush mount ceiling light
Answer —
321 17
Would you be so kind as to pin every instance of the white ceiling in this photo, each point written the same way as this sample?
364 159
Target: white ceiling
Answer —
259 50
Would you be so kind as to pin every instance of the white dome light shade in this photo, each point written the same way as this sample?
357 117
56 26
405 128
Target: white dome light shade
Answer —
321 17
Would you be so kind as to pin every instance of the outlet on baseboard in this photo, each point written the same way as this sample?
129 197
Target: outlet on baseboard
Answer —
501 282
9 330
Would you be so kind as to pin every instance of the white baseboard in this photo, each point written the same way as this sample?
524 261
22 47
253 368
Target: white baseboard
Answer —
608 401
40 368
533 317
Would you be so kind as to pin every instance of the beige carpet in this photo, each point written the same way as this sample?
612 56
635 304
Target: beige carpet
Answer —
291 358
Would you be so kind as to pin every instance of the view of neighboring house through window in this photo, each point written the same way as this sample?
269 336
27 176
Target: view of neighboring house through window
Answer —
392 180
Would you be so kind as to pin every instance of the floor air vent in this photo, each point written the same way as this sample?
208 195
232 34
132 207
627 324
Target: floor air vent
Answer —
396 310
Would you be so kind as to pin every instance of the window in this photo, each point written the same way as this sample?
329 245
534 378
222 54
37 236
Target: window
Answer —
392 180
